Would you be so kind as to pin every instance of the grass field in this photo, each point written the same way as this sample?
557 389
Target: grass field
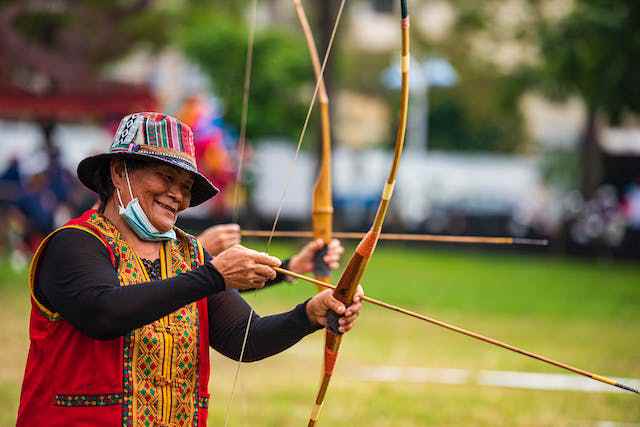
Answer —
584 313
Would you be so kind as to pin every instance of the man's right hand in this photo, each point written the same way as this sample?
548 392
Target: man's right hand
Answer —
220 237
244 268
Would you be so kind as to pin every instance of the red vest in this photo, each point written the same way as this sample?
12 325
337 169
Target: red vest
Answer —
156 375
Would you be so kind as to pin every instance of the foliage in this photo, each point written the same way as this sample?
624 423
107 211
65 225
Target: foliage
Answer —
69 43
480 113
281 70
593 52
476 115
560 169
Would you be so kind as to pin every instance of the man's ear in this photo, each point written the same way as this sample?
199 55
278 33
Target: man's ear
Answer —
117 172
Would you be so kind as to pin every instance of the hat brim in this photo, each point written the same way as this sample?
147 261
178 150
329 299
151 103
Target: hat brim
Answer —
89 173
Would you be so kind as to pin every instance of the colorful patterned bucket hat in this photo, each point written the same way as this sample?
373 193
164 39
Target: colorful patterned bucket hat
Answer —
152 136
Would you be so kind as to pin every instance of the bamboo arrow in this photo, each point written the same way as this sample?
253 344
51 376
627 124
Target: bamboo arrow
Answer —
471 334
406 237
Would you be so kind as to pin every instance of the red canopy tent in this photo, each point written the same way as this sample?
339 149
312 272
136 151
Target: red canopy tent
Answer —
104 101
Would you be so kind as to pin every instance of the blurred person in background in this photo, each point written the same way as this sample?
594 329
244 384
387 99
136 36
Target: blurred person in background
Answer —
13 224
216 150
631 204
125 305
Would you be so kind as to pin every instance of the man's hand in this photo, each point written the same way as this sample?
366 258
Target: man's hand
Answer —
322 302
220 237
302 262
244 268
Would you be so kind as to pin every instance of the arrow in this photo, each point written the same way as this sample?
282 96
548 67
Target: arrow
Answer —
406 237
471 334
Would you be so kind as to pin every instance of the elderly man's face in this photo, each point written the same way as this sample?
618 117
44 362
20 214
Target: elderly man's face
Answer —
163 191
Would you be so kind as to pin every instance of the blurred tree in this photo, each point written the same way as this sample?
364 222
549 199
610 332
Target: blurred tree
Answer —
593 52
281 70
50 46
59 48
480 113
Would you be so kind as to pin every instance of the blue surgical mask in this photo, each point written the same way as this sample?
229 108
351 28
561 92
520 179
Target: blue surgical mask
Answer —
135 217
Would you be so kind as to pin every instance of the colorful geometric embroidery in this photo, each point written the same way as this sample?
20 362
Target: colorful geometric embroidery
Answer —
203 402
88 399
161 358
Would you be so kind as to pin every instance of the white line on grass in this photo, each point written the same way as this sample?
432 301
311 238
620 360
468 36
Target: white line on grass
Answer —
511 379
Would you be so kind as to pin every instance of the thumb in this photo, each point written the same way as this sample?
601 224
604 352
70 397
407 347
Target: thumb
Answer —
266 259
334 304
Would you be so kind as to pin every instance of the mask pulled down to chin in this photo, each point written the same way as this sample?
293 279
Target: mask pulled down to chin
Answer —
137 219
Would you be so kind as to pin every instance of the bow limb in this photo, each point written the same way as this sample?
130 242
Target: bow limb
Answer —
322 206
348 283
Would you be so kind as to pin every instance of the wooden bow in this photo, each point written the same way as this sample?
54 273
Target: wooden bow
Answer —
348 283
322 200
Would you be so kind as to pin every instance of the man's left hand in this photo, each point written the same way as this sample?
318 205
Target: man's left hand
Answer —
322 302
302 262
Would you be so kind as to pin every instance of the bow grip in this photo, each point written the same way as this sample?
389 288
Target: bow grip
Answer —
332 322
320 267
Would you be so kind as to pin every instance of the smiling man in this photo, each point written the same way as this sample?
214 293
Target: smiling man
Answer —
125 305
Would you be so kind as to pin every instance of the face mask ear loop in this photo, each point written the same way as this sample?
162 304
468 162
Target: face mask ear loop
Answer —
119 198
126 174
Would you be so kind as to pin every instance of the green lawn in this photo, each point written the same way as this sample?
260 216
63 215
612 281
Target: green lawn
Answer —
584 313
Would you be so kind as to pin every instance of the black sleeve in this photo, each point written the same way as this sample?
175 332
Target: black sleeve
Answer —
228 318
76 279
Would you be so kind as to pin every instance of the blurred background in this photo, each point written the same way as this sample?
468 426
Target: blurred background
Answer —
523 122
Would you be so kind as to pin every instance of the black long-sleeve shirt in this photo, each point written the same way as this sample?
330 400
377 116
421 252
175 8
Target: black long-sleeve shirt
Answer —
77 280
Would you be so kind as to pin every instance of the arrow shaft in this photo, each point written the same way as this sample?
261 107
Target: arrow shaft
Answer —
350 235
471 334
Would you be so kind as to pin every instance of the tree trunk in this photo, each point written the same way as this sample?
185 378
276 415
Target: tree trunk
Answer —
590 156
325 15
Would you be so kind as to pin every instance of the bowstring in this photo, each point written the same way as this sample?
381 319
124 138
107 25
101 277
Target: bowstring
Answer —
246 89
241 152
306 122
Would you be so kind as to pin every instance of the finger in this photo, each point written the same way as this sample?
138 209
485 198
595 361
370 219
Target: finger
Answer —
335 244
353 309
336 251
258 283
329 259
227 227
346 328
266 259
229 241
265 272
332 256
332 264
314 245
335 305
349 317
357 297
229 233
